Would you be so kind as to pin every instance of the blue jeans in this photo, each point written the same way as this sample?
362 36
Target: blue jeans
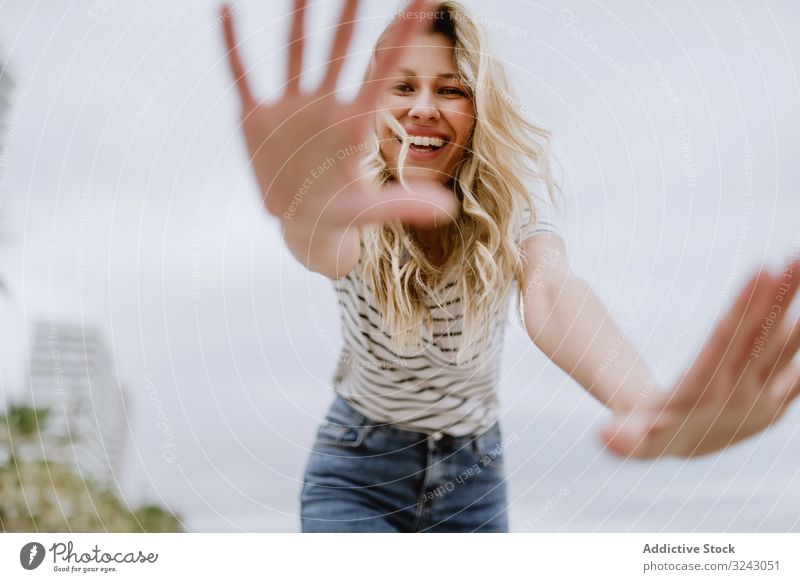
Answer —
365 476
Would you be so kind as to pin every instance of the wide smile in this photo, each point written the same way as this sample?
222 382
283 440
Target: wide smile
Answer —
424 152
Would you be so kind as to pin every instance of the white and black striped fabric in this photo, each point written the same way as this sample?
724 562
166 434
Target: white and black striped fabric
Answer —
422 390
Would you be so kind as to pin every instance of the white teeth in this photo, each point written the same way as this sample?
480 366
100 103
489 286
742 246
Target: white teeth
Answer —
426 141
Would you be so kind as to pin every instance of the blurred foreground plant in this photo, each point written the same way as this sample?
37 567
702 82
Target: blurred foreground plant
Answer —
39 495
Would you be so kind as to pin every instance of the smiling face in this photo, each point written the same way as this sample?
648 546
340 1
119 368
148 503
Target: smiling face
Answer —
425 96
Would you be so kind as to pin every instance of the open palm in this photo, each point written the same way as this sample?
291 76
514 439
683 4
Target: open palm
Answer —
306 147
742 381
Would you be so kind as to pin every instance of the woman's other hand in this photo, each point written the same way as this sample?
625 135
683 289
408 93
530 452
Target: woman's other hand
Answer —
741 382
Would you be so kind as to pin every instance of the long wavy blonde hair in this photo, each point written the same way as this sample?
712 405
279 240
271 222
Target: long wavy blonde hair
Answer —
503 156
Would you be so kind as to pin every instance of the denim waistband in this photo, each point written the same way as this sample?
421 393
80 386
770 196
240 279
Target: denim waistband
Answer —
342 409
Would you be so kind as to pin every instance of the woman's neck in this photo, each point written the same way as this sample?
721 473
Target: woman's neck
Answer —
432 242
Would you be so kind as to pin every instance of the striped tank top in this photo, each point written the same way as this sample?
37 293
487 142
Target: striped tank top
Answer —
422 389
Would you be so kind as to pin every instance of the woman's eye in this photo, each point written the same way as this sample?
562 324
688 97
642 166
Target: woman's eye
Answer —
406 88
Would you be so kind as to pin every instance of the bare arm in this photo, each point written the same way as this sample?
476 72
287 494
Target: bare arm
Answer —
566 320
742 380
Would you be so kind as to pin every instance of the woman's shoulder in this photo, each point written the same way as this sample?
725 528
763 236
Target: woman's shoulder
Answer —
546 215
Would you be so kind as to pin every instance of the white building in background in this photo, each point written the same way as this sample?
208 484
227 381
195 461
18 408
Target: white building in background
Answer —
72 373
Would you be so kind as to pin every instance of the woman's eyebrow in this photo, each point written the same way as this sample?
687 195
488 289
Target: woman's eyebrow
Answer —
410 73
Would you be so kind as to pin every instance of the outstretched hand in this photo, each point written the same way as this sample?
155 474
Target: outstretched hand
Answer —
305 147
742 381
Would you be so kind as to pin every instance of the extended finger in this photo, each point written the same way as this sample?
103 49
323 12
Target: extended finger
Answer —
749 323
711 372
414 17
794 388
295 65
344 34
710 358
781 350
771 334
787 387
234 61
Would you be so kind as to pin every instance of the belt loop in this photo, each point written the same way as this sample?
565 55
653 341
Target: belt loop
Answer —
477 445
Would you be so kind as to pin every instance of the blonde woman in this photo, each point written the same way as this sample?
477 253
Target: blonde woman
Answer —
417 200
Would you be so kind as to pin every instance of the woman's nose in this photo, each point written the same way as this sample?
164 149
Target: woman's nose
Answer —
424 107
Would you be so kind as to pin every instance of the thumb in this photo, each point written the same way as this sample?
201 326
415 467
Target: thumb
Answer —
625 436
422 204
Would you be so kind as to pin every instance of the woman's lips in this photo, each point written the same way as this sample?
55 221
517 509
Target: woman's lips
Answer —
415 154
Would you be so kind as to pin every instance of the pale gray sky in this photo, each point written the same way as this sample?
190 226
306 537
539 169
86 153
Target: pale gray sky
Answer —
130 207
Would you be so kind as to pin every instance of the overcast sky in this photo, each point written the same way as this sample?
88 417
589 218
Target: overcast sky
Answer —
129 206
